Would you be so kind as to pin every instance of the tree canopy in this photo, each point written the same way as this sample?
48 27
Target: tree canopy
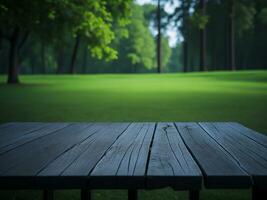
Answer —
92 20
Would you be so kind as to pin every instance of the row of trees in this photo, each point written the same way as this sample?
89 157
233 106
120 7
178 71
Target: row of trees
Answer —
59 45
60 50
222 34
69 36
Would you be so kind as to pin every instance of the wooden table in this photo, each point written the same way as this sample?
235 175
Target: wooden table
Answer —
132 156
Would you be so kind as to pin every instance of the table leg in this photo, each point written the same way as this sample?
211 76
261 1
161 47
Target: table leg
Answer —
132 194
258 193
193 194
85 194
48 194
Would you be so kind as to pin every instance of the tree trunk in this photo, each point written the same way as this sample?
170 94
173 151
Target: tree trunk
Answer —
32 65
159 38
135 68
43 58
202 39
226 47
1 40
85 55
74 54
231 35
60 60
13 71
185 15
185 55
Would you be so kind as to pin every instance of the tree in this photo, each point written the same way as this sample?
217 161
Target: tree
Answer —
240 17
263 16
43 58
159 37
154 14
16 20
134 43
181 19
184 16
158 18
92 19
74 53
202 39
167 53
96 31
138 49
200 20
175 64
215 21
231 32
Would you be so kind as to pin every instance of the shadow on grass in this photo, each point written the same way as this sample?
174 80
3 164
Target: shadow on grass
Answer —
22 85
240 76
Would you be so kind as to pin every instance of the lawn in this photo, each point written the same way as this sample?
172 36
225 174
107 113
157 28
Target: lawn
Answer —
214 96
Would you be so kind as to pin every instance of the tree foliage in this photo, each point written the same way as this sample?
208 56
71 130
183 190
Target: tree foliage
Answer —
140 46
91 19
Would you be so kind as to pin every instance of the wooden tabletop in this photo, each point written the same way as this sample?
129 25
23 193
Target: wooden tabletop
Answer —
131 155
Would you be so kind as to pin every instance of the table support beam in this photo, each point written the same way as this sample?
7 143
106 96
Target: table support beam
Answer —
193 194
258 193
132 194
48 194
85 194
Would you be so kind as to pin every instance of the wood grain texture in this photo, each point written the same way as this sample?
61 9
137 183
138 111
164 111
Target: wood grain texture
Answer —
219 168
131 156
61 160
30 136
2 125
170 162
12 131
79 160
29 159
254 135
249 154
124 164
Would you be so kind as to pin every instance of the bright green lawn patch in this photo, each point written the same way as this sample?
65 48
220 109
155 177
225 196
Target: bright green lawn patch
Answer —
216 96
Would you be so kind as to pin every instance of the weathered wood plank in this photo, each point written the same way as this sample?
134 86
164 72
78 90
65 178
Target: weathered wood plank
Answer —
257 137
124 164
79 160
12 131
29 159
33 135
116 155
219 168
2 125
170 162
249 154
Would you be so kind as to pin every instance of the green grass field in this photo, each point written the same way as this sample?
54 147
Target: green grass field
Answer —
215 96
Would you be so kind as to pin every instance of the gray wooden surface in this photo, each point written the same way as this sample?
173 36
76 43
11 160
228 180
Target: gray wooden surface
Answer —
170 163
135 155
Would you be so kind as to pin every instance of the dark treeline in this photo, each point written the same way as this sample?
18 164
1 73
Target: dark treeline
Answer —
224 35
117 38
